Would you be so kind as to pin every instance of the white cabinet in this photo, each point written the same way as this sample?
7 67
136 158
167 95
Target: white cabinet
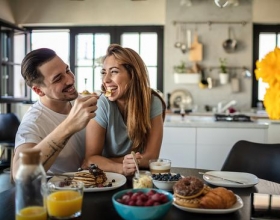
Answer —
214 144
178 145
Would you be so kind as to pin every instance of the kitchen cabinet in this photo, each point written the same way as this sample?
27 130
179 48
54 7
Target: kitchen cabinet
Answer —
178 145
206 145
214 144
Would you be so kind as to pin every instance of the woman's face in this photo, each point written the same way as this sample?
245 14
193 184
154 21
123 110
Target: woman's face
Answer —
115 78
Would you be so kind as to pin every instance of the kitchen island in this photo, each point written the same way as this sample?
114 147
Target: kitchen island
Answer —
201 142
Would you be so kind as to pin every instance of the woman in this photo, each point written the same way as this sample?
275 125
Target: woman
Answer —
129 119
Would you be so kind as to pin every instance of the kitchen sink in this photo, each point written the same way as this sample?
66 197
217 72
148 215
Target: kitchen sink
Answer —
232 118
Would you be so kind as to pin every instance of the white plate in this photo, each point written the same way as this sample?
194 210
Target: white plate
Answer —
248 179
181 96
120 180
236 206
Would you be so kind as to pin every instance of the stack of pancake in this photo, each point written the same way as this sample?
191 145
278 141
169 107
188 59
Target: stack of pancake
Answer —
91 177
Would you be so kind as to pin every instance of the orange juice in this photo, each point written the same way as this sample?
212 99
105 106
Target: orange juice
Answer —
32 213
64 203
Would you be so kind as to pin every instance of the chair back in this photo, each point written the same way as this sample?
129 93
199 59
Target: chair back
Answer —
260 159
9 124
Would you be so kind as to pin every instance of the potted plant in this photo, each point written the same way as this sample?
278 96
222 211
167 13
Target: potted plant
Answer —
184 74
223 75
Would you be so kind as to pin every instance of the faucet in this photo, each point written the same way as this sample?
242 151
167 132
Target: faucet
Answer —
222 109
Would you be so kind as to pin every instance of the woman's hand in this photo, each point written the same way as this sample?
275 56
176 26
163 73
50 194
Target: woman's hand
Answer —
129 166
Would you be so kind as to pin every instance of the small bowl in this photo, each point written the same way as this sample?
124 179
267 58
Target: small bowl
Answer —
165 185
128 212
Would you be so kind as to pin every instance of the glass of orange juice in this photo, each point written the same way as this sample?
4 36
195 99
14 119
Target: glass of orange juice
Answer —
64 201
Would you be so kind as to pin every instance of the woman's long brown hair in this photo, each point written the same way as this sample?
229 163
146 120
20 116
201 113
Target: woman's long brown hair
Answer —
139 95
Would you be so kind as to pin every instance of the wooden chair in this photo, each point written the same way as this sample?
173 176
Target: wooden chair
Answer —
9 124
260 159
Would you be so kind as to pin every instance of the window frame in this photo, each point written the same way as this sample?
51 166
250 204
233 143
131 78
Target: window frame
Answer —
257 29
115 33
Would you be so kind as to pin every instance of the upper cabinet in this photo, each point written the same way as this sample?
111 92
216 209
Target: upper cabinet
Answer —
13 47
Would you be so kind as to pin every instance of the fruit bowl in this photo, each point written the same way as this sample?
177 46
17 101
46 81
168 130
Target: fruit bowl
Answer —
165 181
142 204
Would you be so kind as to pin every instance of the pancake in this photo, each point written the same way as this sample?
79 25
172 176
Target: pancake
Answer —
92 177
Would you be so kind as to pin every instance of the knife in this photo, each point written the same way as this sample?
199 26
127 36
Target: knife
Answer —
229 180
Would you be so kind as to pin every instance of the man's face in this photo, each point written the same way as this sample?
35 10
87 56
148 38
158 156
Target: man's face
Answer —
58 81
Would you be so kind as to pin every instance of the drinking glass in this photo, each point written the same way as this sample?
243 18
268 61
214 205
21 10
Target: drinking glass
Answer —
160 165
64 200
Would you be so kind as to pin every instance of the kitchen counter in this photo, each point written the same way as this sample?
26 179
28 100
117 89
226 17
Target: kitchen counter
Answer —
175 120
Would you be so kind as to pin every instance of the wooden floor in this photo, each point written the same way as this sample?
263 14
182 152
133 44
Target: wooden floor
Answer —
5 182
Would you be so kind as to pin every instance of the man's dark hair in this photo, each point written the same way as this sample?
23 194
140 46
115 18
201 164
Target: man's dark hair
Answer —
31 63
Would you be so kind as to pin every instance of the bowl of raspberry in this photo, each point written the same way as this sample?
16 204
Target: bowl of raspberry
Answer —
142 204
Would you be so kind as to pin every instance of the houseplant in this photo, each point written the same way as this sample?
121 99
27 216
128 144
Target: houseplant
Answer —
223 75
184 74
268 69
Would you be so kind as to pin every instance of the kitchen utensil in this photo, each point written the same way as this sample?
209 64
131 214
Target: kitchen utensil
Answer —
137 174
196 49
184 46
230 44
203 82
235 85
233 181
181 96
178 34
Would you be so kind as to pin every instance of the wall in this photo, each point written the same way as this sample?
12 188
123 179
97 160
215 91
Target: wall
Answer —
6 11
266 11
211 37
90 12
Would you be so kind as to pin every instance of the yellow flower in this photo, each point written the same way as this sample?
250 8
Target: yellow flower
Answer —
272 102
268 69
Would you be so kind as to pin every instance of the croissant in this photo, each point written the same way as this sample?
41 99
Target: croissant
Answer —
218 198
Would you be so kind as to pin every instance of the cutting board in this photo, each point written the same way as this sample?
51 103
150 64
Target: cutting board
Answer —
195 53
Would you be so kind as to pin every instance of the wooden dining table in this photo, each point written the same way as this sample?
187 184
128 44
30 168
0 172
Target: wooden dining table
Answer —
98 205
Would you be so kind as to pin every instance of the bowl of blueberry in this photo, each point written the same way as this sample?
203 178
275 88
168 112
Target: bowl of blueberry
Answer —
165 181
142 204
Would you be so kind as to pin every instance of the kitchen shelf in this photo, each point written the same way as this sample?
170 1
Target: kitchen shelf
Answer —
243 23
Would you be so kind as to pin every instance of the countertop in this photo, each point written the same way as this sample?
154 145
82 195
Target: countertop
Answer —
203 120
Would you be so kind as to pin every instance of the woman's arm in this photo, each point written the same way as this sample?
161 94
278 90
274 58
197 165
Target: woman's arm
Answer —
154 141
95 138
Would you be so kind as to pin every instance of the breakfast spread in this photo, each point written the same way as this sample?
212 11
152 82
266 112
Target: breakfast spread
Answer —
193 193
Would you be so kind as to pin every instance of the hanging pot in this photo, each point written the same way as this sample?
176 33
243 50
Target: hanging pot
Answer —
230 44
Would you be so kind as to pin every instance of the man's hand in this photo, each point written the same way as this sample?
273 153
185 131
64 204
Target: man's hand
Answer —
82 111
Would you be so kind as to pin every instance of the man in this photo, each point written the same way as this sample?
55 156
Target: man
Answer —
55 123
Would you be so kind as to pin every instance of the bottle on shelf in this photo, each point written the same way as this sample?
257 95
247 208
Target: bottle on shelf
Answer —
30 180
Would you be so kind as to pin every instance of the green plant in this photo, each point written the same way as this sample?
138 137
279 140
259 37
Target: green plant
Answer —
182 68
223 66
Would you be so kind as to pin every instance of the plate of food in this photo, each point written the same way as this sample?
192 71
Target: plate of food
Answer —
95 180
230 179
238 205
192 195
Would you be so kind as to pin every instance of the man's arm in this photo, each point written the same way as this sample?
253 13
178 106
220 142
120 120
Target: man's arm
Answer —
82 111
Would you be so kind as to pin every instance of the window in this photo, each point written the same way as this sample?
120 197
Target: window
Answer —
83 47
13 47
266 38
